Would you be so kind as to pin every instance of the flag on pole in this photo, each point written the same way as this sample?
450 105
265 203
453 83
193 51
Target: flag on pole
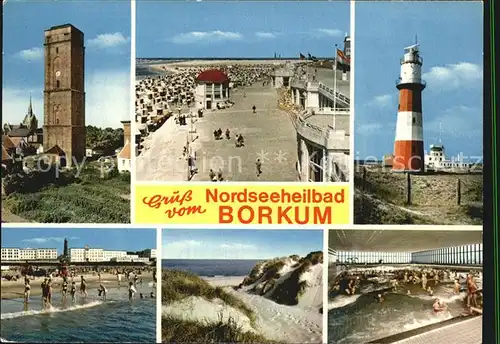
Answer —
342 59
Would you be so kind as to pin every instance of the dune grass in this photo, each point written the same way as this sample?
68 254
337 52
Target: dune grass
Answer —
178 285
184 331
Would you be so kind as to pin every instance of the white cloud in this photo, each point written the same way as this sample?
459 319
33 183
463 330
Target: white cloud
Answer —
381 101
206 37
107 100
327 32
458 121
107 40
31 54
266 35
48 239
453 76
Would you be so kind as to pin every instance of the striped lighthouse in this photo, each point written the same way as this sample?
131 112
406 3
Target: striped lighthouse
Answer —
409 142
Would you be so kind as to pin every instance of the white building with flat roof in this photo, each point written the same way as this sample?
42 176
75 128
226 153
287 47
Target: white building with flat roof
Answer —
108 255
24 254
10 254
88 254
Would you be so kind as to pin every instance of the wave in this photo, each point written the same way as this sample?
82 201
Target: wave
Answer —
342 301
49 311
413 323
3 340
447 298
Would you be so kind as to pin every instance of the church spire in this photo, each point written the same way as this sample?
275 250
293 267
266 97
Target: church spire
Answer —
30 107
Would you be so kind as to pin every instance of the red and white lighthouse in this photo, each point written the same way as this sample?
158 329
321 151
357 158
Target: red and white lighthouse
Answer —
409 142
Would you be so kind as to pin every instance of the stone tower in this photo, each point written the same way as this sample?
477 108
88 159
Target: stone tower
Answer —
64 95
65 251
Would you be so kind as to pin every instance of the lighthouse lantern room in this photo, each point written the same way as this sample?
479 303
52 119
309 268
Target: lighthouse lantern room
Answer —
409 142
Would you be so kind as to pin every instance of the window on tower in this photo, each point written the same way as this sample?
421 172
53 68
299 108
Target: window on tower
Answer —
57 50
413 119
57 83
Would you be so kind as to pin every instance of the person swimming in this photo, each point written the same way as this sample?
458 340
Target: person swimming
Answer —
438 305
102 291
152 295
379 298
141 296
73 291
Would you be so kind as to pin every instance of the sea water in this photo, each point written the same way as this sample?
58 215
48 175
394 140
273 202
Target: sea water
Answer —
89 319
211 267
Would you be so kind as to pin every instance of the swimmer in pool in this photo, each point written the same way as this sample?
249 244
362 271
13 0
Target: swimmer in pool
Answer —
379 298
152 295
438 306
456 287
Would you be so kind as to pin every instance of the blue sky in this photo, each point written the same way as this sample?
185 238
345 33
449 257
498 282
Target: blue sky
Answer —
239 29
106 26
238 244
451 43
106 238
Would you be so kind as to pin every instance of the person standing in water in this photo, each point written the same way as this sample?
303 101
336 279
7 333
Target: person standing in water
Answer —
103 292
83 287
44 293
49 292
456 287
64 290
73 291
27 290
131 291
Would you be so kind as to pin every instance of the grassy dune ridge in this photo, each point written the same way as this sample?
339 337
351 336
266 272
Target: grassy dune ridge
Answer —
265 277
179 285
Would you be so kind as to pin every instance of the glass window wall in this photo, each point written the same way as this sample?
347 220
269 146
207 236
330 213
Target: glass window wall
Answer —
459 255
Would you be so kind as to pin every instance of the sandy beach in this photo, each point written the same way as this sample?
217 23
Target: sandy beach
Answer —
15 289
202 63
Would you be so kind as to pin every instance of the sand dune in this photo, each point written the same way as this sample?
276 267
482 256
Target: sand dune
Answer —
284 296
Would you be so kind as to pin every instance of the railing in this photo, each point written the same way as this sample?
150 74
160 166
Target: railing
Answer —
414 58
331 111
338 95
420 81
